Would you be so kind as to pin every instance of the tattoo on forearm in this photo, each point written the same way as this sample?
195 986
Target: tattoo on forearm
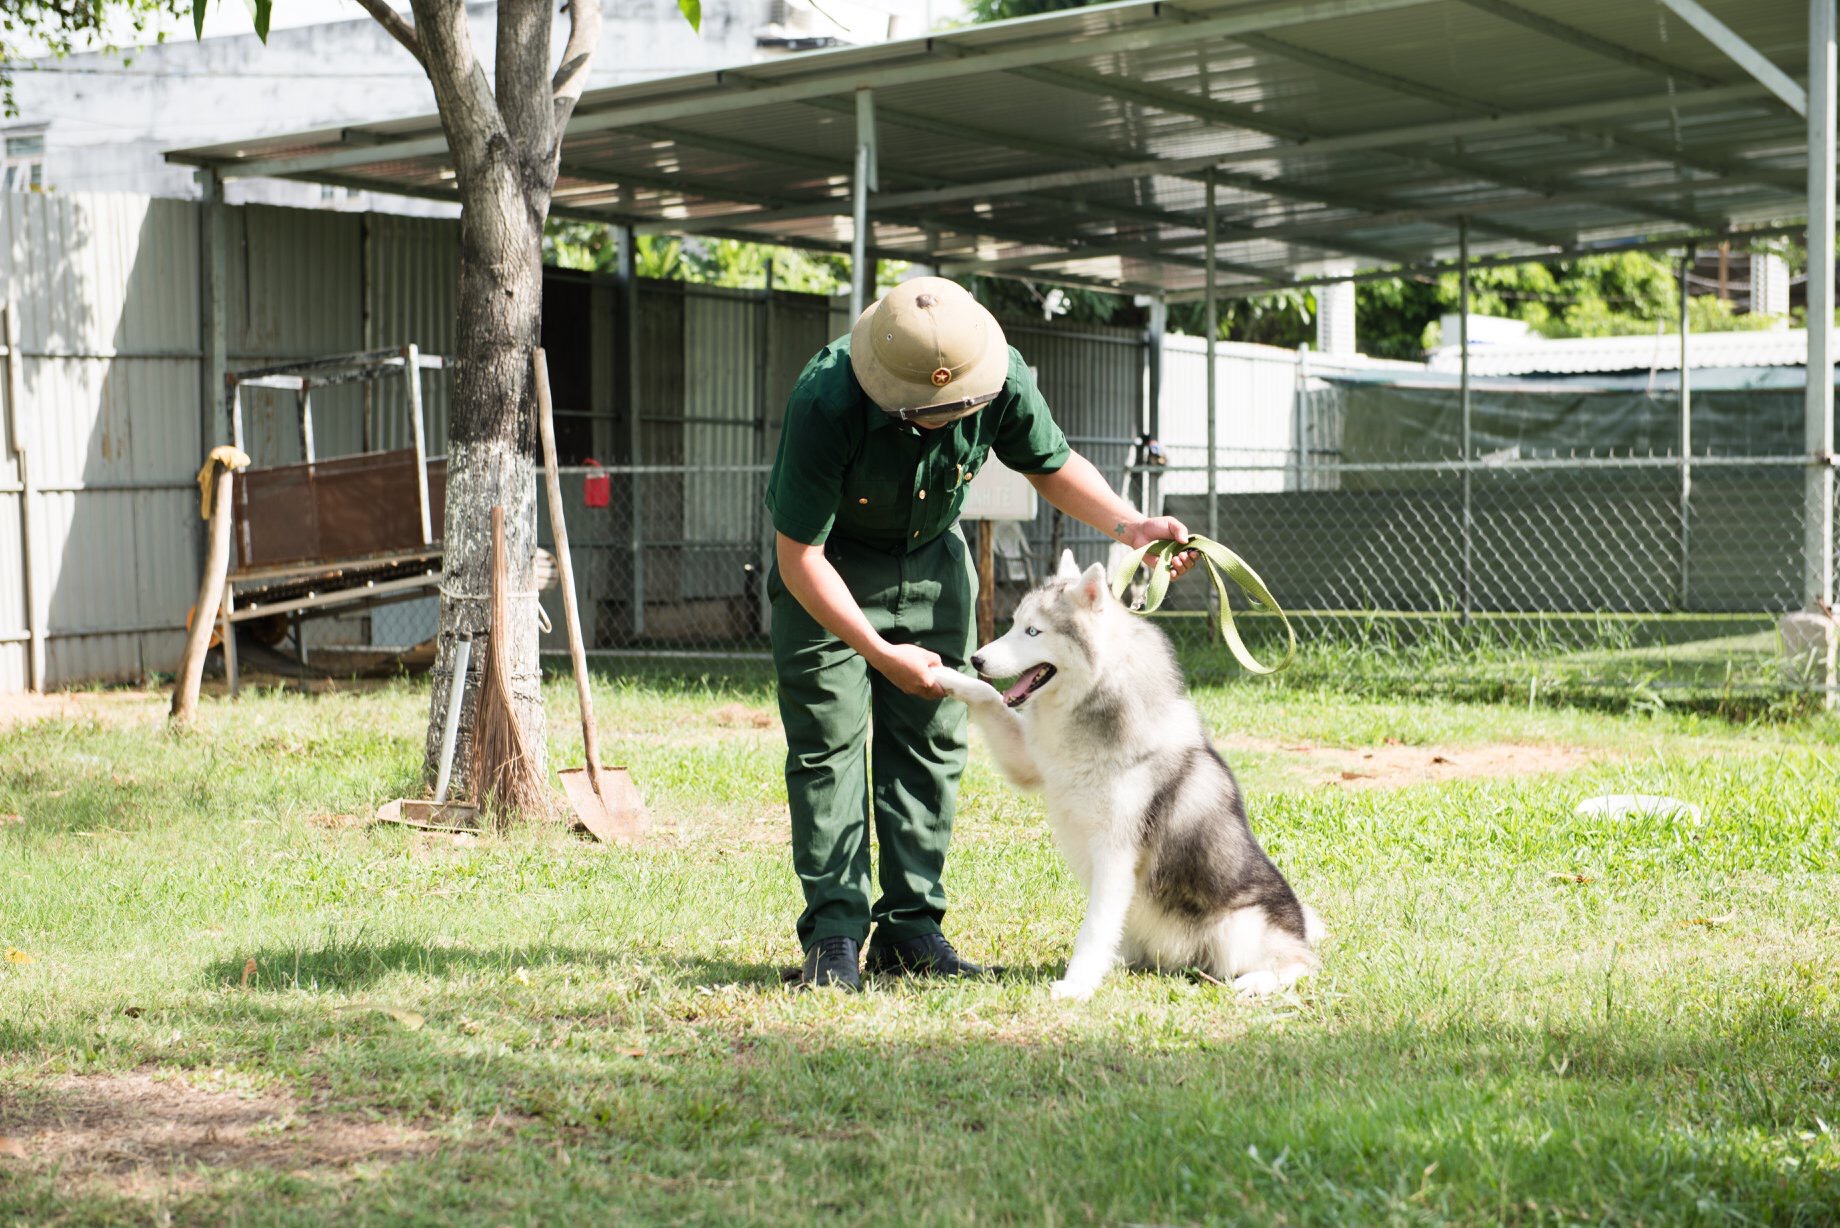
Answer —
1118 530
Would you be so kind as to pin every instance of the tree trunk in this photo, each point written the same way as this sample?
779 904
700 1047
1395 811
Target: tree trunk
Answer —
491 449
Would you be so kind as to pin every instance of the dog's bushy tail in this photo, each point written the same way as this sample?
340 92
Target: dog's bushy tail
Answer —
1313 929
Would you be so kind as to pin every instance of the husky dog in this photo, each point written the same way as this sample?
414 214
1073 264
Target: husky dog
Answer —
1141 804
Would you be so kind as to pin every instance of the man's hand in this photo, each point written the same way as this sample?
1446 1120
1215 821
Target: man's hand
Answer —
1161 528
910 667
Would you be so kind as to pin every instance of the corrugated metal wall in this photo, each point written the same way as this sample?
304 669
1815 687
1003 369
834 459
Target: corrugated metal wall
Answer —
107 295
1094 379
104 288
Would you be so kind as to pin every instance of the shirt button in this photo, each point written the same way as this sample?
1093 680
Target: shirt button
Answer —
923 494
916 532
862 500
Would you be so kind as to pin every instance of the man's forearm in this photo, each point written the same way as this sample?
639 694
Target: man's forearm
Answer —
1081 491
815 584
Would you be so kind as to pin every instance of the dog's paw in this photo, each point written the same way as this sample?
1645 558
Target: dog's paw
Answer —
964 688
1071 991
1258 984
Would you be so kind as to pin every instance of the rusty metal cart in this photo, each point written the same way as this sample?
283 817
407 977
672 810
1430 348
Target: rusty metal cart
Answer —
339 535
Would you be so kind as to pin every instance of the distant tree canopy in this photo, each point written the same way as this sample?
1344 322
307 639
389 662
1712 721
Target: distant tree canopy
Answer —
591 247
65 27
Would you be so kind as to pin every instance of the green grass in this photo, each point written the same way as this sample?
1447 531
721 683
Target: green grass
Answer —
1523 1016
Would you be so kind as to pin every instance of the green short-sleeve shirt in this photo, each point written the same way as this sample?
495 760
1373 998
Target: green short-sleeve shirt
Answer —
846 467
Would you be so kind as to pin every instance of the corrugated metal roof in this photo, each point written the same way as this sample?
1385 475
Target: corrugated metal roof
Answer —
1075 146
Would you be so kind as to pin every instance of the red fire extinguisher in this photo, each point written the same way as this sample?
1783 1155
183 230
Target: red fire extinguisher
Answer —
596 488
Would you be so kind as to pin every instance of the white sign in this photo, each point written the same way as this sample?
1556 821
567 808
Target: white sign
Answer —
999 493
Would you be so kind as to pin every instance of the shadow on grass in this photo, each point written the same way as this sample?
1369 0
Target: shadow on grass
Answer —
802 1115
356 965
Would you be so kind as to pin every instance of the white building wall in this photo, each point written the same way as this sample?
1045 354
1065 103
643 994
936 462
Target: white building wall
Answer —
1258 426
108 123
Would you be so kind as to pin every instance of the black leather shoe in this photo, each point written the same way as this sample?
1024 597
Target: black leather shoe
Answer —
832 962
927 955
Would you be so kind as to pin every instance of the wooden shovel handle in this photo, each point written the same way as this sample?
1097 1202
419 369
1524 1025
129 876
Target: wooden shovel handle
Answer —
559 530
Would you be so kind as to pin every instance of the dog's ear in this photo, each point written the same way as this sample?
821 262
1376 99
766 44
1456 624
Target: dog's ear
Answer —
1069 568
1093 587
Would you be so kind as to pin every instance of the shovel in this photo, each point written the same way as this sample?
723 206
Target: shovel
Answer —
441 814
605 801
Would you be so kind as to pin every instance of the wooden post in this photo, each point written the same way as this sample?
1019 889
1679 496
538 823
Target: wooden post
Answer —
559 535
987 581
210 597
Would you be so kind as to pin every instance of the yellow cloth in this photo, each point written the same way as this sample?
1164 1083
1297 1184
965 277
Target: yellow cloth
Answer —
229 457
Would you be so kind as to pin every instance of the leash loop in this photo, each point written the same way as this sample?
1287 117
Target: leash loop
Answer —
1223 565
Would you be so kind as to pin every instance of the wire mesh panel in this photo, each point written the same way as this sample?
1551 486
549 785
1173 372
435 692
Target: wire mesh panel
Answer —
687 573
1573 548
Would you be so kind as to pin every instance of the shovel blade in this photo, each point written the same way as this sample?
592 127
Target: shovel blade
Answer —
617 817
430 816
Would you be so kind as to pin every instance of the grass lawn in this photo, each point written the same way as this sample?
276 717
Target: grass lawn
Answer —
224 999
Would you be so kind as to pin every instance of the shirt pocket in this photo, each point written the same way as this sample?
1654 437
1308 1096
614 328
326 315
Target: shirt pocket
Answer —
877 492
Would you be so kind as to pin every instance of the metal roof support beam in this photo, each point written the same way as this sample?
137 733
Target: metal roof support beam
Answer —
1429 268
862 182
932 255
1574 37
1181 103
1463 102
845 78
1072 153
1429 213
1741 53
1818 408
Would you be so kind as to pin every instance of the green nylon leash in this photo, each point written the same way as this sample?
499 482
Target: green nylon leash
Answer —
1222 565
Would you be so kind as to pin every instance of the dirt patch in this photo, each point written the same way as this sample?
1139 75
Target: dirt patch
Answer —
1395 765
740 716
144 1136
113 708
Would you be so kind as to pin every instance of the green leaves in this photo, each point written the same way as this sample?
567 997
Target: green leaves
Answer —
260 12
693 13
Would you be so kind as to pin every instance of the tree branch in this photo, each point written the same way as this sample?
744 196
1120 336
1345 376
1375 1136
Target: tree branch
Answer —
522 73
572 74
469 114
399 29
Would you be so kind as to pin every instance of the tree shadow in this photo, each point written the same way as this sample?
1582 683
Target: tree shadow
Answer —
1406 1121
346 966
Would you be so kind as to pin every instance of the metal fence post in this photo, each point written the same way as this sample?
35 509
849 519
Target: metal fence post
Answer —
412 372
1469 519
1818 405
862 182
1213 376
1151 418
1301 428
635 430
28 498
1686 425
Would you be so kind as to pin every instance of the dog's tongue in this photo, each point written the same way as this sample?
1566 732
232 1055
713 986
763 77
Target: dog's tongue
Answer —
1020 687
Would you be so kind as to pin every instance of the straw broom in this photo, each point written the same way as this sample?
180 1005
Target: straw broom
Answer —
504 777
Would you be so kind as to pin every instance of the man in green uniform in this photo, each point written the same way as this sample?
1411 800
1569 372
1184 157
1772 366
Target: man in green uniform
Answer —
873 586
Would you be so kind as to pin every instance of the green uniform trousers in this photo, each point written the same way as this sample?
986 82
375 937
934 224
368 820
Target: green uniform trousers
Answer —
904 779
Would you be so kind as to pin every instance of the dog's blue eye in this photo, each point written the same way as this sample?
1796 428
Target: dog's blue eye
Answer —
1031 631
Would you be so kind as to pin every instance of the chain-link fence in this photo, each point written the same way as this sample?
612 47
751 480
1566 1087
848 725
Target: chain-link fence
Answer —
1526 568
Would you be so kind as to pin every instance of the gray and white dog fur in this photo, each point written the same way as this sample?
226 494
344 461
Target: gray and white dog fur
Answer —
1141 804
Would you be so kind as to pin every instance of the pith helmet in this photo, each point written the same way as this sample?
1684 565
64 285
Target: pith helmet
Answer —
928 348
